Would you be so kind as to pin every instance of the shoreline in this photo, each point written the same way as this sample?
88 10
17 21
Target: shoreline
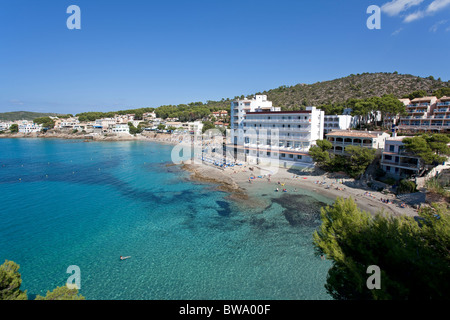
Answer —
236 181
149 137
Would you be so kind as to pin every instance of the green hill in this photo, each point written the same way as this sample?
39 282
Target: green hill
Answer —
297 97
23 115
359 86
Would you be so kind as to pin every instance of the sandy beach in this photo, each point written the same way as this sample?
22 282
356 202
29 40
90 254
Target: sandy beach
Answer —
244 183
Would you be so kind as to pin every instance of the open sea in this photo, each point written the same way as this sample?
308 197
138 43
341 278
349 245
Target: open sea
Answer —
69 202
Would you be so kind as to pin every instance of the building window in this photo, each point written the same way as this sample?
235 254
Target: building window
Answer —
283 155
391 148
291 156
299 157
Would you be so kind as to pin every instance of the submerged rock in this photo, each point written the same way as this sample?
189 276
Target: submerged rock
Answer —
300 210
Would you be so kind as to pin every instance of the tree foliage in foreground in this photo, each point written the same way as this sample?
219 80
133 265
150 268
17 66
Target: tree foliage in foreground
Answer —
413 256
11 280
61 293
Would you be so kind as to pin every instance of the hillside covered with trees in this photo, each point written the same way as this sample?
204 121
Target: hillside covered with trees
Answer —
24 115
332 96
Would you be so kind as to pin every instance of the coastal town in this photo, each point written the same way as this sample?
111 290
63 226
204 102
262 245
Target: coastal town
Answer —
264 153
256 133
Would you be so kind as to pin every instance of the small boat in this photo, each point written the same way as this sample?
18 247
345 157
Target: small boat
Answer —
124 258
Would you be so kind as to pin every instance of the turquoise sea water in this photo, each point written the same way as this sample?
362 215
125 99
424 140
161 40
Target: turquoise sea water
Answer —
67 202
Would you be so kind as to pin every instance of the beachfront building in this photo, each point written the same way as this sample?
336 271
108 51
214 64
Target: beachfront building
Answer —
427 114
397 162
283 135
239 109
105 123
367 139
29 127
69 124
5 125
120 128
337 122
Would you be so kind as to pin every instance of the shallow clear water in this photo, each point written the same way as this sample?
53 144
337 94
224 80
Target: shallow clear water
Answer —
67 202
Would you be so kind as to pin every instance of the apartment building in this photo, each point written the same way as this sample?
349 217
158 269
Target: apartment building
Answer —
283 135
29 126
337 122
427 114
120 128
396 162
239 109
5 125
365 139
69 124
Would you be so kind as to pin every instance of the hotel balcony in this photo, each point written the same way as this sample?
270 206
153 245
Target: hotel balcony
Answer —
419 105
391 163
442 110
249 120
271 148
443 104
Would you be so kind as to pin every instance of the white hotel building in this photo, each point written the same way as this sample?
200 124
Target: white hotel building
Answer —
337 122
262 132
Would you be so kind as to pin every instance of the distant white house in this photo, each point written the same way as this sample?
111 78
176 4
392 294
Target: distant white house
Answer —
5 125
120 128
29 127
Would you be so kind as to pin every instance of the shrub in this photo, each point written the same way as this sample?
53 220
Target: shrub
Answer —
407 186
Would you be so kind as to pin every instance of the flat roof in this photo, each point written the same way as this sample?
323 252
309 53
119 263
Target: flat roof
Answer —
280 112
423 99
353 133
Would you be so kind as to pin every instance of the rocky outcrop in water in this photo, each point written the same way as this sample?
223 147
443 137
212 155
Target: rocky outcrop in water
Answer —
212 175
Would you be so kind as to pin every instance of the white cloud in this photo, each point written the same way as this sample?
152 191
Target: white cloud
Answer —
435 27
414 16
396 32
438 5
396 7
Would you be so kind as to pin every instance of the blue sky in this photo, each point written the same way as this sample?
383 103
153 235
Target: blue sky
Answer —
144 53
